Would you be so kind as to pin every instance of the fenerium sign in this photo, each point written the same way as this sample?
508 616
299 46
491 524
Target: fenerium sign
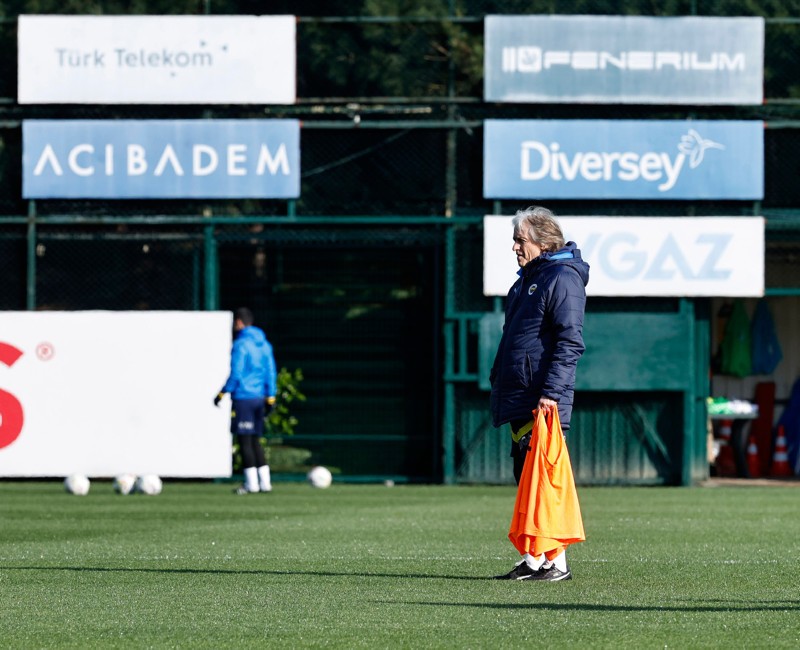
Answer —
624 59
127 159
623 159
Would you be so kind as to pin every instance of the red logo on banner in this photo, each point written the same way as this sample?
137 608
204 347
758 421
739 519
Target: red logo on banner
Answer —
11 415
45 351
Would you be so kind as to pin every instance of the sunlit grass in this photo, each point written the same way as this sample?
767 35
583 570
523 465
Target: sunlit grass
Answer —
373 567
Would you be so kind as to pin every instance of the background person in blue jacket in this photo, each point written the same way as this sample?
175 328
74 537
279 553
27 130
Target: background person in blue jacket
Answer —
252 385
542 340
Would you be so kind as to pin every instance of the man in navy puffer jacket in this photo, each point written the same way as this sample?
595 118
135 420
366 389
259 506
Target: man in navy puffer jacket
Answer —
542 341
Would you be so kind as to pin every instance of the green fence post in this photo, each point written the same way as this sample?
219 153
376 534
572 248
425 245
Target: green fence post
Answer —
449 428
30 289
702 357
689 392
211 266
449 415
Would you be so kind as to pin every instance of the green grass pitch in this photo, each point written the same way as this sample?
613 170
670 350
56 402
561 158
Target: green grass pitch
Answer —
366 566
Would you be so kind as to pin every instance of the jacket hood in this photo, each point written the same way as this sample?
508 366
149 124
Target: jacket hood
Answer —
569 255
252 333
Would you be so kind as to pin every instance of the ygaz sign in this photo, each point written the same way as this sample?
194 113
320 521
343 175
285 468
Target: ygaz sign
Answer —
647 256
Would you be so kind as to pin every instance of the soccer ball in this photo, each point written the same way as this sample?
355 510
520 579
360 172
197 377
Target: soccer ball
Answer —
124 483
319 477
148 484
77 484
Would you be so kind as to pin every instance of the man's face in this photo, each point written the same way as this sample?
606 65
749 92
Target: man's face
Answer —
525 249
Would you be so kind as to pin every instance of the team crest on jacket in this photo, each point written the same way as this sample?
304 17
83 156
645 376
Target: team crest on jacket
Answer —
531 289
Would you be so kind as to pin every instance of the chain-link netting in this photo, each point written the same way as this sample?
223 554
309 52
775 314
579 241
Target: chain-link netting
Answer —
8 59
376 171
782 267
355 309
119 268
13 267
11 202
368 164
390 95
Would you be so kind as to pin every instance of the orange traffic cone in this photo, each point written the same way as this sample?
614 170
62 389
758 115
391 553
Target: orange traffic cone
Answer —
752 458
780 460
726 465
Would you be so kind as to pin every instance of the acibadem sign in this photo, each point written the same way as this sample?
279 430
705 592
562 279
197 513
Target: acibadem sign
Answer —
624 59
624 159
124 159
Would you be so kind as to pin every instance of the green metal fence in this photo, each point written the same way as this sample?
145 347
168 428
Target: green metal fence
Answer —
371 281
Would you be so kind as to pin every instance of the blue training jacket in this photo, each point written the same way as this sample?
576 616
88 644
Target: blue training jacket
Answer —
542 337
253 373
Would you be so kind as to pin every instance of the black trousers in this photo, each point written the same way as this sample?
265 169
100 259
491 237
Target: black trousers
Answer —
519 456
520 449
252 451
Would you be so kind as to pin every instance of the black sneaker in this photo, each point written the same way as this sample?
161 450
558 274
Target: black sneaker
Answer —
550 574
520 572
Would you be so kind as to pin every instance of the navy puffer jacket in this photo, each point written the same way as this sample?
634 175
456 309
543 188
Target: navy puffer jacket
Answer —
542 337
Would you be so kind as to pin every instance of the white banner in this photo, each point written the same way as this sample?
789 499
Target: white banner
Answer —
104 393
646 256
624 59
156 59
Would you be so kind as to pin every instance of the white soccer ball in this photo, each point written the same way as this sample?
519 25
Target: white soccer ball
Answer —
319 477
124 483
77 484
148 484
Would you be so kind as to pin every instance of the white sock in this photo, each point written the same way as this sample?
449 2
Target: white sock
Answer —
264 481
533 562
561 561
251 479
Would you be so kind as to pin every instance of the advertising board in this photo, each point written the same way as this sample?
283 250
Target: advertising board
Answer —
646 256
102 393
156 59
624 59
624 159
126 159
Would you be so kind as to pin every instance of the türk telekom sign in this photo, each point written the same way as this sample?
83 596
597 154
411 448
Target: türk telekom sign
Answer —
157 60
121 159
623 159
104 393
647 256
624 59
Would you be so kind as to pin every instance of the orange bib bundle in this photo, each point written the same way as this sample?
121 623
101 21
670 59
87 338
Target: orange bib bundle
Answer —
547 514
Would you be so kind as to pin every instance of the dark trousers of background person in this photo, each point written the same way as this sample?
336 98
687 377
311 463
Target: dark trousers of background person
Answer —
251 450
247 423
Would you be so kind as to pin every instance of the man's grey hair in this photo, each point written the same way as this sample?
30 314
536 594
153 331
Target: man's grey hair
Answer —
539 225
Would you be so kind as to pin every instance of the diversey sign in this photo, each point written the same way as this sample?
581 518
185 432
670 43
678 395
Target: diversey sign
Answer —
123 159
157 60
624 59
647 256
623 159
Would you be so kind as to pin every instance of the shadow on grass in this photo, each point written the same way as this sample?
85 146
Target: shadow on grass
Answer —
733 606
713 605
251 572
